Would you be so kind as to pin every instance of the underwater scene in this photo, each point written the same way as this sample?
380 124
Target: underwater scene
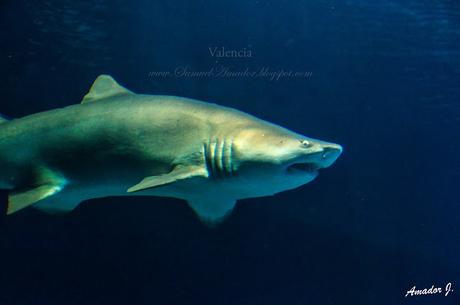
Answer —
291 152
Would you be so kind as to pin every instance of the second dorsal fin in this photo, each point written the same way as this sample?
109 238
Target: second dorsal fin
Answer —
104 87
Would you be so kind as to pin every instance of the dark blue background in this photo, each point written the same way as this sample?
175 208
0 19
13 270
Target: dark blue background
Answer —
385 217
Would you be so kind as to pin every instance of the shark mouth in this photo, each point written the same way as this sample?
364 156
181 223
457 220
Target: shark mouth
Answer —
303 167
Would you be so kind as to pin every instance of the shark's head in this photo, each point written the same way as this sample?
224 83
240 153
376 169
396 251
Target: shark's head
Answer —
272 159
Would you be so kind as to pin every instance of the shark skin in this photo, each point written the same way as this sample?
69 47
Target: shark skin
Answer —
117 143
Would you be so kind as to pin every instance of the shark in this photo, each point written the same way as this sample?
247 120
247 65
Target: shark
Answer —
118 143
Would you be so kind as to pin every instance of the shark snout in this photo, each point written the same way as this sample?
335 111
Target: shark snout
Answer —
329 153
316 156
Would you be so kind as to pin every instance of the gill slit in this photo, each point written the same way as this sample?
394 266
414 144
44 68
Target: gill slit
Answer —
213 158
221 158
228 158
218 157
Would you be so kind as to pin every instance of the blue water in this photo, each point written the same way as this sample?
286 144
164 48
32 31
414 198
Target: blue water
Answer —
383 81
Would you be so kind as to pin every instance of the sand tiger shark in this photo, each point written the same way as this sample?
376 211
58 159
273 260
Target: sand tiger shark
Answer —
118 143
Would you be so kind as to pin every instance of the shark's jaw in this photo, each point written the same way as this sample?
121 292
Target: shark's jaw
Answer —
305 167
302 172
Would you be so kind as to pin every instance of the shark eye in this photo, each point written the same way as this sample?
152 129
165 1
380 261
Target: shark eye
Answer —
305 143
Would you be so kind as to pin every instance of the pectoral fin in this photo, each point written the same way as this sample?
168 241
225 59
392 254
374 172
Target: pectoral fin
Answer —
19 200
178 173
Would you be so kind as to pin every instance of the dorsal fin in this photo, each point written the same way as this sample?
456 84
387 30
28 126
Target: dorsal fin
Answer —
104 87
